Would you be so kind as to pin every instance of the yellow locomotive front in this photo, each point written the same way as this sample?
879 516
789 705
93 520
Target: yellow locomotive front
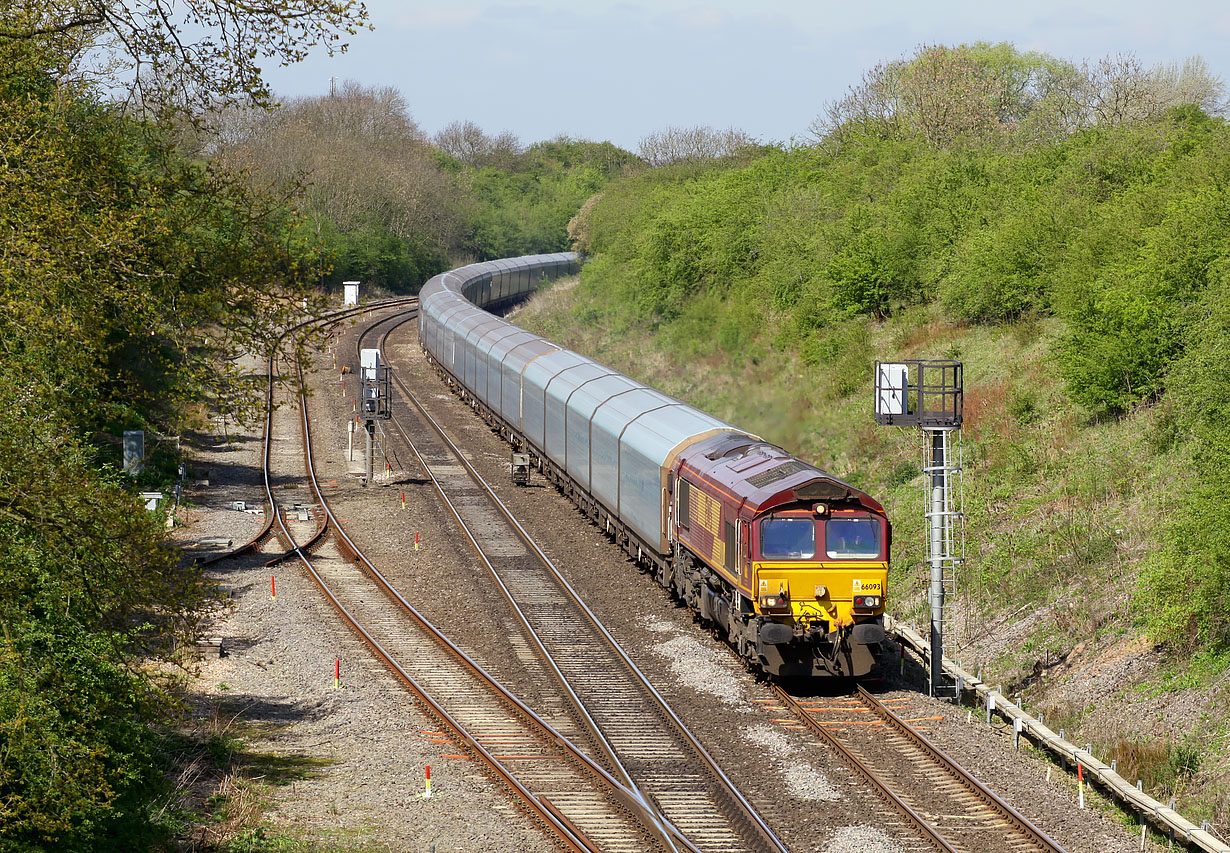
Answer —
820 575
791 561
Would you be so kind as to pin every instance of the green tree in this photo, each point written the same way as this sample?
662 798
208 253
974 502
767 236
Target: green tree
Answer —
371 191
524 206
128 276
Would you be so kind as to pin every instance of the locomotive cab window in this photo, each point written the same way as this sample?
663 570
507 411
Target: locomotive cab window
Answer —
852 538
685 503
787 538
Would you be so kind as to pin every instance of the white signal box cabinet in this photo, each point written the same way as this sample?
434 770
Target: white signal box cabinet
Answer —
891 384
369 361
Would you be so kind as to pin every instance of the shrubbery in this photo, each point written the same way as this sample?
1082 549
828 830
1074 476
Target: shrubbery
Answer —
1118 229
1185 590
129 275
522 203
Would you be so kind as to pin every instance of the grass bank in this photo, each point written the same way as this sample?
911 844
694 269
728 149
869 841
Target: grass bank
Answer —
1062 511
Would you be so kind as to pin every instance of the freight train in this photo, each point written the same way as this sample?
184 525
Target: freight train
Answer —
787 563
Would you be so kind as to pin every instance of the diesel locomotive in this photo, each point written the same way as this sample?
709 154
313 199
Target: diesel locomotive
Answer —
787 563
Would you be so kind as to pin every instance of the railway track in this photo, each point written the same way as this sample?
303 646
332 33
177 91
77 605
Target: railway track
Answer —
948 806
270 529
572 797
645 742
654 798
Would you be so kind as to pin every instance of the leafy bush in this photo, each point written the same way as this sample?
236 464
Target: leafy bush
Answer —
1184 592
129 274
1115 237
524 206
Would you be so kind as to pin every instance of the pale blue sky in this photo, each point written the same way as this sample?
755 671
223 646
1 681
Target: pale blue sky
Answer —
620 70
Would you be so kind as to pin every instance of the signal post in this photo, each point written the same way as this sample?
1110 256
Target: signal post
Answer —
929 394
374 381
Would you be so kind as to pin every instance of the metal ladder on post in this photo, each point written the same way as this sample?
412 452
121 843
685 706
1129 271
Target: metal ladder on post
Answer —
945 518
929 394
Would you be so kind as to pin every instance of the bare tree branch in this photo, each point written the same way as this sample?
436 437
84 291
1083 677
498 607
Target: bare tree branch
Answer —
984 92
693 145
188 56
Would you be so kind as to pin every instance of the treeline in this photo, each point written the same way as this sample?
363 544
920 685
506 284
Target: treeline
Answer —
996 185
130 275
392 207
154 227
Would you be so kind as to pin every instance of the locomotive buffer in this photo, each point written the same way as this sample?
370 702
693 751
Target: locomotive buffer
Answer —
928 394
374 388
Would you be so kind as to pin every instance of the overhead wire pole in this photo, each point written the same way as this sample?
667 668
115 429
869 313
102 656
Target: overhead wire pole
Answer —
929 394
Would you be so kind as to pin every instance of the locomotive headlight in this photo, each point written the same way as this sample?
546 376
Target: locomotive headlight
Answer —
866 602
821 590
772 602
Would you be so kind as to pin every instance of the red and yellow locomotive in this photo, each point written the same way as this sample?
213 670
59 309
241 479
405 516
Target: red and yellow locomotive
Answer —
789 562
792 562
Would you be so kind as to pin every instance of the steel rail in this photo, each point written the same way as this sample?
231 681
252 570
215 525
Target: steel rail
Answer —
765 835
886 792
545 810
880 786
570 694
257 541
961 775
542 812
668 833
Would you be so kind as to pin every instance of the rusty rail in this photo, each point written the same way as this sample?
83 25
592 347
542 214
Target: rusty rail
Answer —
545 813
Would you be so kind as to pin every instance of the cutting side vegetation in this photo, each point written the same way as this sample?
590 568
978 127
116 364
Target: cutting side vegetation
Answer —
1063 230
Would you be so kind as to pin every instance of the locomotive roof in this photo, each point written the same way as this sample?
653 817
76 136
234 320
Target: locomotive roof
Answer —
763 475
